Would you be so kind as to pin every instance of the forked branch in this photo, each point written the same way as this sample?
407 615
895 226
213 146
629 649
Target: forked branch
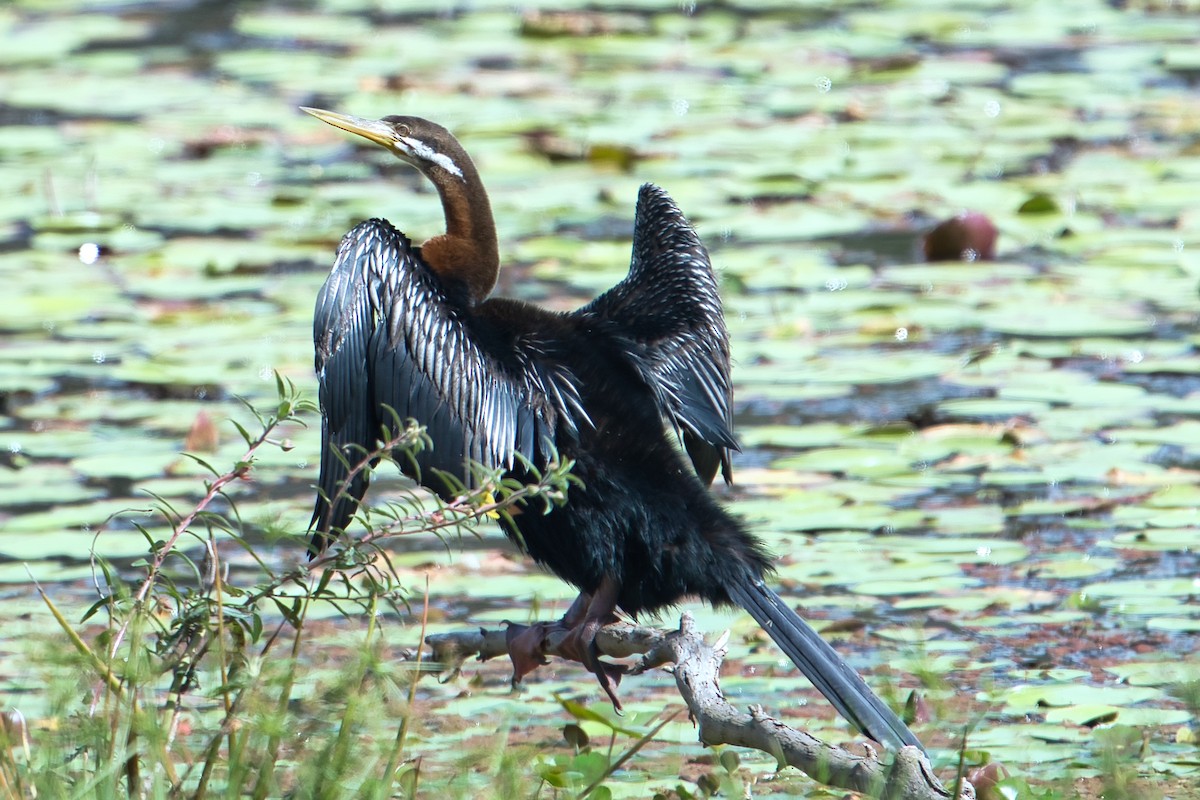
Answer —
696 667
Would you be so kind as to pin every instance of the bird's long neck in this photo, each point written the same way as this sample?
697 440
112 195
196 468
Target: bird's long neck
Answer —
468 251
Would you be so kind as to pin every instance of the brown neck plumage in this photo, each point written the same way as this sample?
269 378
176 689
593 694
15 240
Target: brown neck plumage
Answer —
468 250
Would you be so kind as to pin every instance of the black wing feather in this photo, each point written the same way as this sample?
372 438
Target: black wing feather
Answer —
669 310
388 335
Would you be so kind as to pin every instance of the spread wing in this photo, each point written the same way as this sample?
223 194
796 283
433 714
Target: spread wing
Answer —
389 335
669 309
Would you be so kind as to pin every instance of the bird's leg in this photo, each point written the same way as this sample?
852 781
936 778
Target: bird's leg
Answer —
580 641
587 615
576 612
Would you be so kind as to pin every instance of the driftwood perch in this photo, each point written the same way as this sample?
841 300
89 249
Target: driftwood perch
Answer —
697 665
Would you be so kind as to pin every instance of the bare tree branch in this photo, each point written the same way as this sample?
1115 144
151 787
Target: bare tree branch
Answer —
907 776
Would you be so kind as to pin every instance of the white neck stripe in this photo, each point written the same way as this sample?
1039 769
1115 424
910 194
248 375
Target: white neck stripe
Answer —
427 153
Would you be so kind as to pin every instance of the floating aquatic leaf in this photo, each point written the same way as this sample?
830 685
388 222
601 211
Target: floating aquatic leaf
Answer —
1071 566
795 436
1155 673
1174 624
1092 715
983 551
1153 587
71 543
46 572
913 578
860 462
990 408
1159 539
1059 695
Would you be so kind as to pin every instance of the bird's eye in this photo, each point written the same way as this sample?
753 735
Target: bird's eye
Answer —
403 130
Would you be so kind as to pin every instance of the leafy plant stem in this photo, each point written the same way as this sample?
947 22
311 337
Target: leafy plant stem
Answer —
628 754
398 748
342 744
106 674
240 470
267 771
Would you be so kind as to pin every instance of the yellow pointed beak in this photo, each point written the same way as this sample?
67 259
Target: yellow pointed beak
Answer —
372 129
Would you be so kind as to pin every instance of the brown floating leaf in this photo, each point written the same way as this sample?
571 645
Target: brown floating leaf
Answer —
559 149
985 778
550 24
970 236
203 436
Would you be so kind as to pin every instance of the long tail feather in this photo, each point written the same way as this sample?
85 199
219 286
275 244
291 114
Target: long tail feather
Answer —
821 664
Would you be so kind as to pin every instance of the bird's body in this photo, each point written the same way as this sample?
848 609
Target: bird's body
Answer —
616 386
639 505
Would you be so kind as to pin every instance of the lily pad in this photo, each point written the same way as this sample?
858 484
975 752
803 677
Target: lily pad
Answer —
1159 539
860 462
1075 695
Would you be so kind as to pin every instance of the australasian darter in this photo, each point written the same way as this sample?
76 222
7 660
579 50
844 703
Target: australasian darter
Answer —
412 330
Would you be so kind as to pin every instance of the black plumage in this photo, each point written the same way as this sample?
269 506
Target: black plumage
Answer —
616 386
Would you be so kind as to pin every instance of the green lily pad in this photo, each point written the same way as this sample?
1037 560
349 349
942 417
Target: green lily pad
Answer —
963 550
1154 587
1076 695
1174 624
1159 539
860 462
1073 566
1155 673
78 545
795 436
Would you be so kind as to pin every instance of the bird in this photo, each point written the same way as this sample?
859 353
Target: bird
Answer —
633 387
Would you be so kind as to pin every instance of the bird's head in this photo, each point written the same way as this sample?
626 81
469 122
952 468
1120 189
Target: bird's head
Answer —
426 145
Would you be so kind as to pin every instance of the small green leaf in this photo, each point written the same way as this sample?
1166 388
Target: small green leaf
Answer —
1039 204
242 430
581 712
576 736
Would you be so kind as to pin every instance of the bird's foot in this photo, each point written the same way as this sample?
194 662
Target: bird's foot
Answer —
527 644
580 645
